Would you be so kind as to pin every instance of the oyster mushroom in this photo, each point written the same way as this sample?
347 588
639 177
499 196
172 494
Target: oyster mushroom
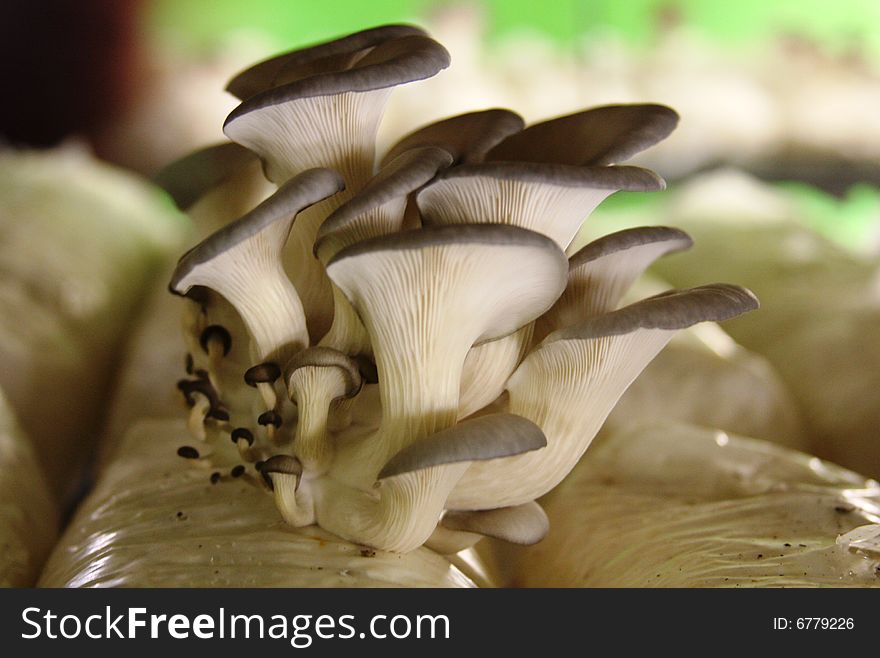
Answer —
601 272
376 210
425 297
551 199
549 191
242 262
321 108
570 382
524 525
468 137
598 136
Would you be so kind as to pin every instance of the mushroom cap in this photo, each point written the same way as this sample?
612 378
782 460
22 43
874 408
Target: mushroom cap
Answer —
600 273
390 63
280 464
525 524
191 177
242 433
671 310
476 439
406 173
298 193
526 271
189 387
327 56
326 357
216 331
624 177
598 136
262 373
468 137
551 199
673 239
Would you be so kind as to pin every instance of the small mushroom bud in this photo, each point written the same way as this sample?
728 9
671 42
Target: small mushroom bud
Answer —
283 473
263 377
216 343
203 402
243 438
271 420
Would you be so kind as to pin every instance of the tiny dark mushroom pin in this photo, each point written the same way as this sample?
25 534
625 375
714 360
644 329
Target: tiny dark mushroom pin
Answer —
243 439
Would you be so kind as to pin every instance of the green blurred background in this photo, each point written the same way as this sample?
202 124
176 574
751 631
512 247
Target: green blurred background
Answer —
840 25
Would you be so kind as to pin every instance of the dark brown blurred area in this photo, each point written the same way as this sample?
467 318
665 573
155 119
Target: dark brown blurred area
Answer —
69 68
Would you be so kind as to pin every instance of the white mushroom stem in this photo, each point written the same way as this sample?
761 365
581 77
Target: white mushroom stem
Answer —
216 351
571 381
313 389
293 500
262 294
376 210
487 368
346 333
197 415
397 515
267 392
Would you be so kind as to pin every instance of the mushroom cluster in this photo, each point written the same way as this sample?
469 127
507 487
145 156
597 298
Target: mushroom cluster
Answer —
401 349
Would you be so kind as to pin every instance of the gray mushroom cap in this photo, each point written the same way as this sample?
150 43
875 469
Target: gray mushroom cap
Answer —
325 357
675 239
397 179
672 310
298 193
280 465
334 55
392 62
477 439
191 177
553 265
468 137
598 136
525 524
610 178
